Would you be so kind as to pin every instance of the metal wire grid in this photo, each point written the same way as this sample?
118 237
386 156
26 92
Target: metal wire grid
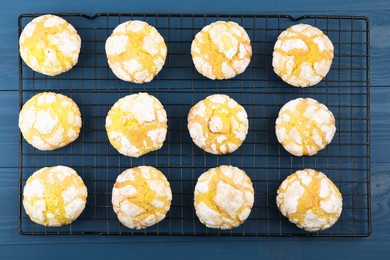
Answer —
178 86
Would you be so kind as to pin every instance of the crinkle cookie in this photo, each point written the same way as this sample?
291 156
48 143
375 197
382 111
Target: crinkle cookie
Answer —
137 124
49 45
141 197
136 51
49 121
302 55
305 126
221 50
218 124
54 196
310 200
224 197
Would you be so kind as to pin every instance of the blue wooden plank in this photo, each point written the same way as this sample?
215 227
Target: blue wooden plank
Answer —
380 114
9 134
198 6
380 38
232 249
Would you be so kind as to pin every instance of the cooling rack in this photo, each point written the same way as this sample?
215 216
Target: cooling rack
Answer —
178 86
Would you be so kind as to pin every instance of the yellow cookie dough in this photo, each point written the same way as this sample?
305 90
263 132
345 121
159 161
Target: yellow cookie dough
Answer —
302 55
54 196
137 124
218 124
136 51
224 197
305 126
49 121
310 200
221 50
141 197
49 45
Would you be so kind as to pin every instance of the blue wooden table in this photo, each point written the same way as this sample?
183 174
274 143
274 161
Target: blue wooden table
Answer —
377 246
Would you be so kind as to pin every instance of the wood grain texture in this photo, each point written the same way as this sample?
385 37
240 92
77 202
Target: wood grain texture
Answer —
201 6
15 246
282 249
9 134
380 122
380 43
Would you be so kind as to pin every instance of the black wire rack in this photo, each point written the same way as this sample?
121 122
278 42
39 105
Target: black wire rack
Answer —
178 86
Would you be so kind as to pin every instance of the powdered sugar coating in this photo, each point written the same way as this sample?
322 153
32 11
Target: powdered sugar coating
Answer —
141 197
54 196
221 50
302 55
137 124
49 45
218 124
310 200
50 121
224 197
136 51
305 126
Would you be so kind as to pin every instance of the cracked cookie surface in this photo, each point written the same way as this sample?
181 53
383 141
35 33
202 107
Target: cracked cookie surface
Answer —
305 126
218 124
50 121
54 196
49 45
141 197
310 200
136 51
221 50
137 124
224 197
302 55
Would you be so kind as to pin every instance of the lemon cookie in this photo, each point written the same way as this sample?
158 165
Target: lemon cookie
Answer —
310 200
221 50
137 124
305 126
136 51
49 121
302 55
141 197
54 196
49 45
224 197
218 124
